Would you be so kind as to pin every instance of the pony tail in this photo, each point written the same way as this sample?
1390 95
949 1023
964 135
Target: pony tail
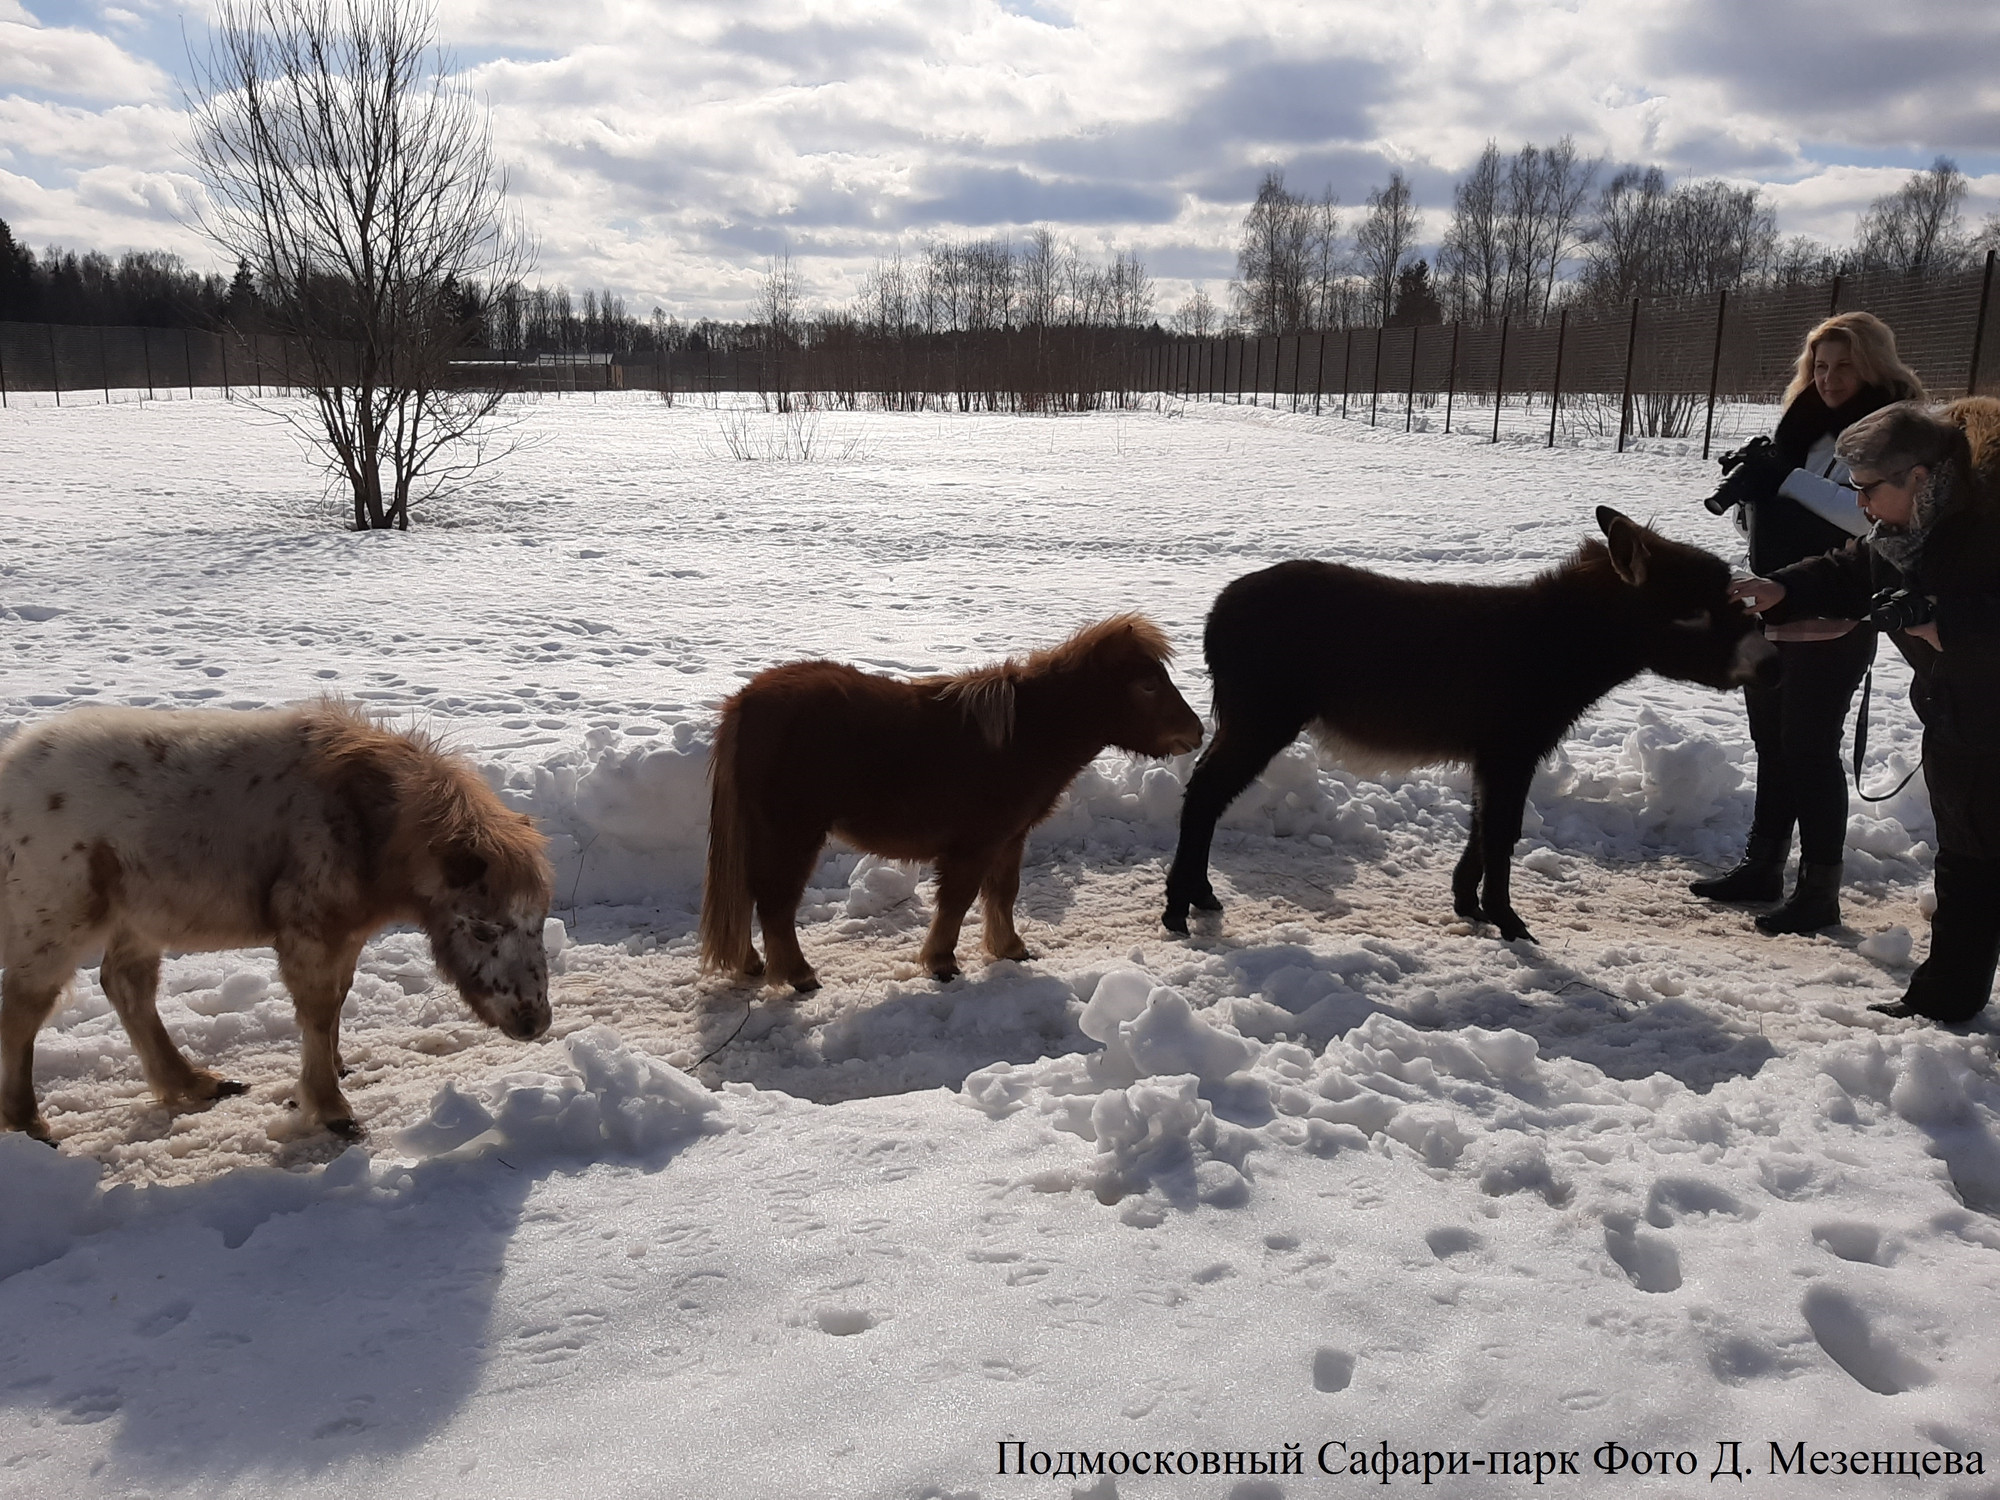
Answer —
725 893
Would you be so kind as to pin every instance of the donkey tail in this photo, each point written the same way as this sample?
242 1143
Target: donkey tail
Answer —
725 894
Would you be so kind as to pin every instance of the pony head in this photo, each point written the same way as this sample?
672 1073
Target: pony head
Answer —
1123 659
484 893
1695 631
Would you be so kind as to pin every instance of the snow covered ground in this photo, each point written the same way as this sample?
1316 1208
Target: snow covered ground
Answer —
1338 1170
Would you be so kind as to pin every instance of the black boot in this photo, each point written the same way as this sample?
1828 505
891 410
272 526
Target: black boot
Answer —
1955 982
1815 902
1759 876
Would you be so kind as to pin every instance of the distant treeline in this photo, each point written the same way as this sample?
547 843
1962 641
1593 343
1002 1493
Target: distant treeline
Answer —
1527 234
1546 228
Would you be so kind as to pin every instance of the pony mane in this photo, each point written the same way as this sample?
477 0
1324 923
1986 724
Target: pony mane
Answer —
986 695
444 802
1979 418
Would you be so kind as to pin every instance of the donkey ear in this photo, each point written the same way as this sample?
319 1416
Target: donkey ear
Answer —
461 866
1626 540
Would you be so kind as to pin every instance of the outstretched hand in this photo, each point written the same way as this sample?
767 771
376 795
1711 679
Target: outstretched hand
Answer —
1757 594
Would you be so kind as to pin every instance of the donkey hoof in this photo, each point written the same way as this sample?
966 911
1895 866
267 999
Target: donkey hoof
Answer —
1513 929
1205 900
1175 918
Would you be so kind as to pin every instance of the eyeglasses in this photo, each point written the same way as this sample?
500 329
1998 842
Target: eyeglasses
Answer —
1865 491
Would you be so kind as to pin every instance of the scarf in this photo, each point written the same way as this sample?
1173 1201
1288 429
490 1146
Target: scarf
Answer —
1943 493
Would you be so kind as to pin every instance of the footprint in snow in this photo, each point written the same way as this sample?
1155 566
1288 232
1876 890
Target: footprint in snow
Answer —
1333 1370
1648 1260
1853 1240
1868 1353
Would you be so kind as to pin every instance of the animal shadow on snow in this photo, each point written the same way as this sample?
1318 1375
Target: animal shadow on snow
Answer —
921 1034
277 1324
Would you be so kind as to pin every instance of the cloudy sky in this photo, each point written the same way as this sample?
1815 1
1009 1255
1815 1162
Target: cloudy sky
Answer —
664 149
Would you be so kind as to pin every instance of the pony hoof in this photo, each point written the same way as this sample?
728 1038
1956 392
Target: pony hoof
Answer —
347 1128
753 967
806 985
1514 930
1175 918
229 1088
945 972
1205 901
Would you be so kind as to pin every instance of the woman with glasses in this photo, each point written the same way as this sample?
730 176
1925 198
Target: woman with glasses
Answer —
1793 508
1929 573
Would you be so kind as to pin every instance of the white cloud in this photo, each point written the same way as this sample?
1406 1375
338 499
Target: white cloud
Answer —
664 150
70 62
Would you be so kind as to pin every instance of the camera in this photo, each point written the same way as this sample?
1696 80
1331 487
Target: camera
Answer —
1751 473
1899 609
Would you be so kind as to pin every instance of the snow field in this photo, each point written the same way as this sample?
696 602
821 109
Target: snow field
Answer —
1336 1168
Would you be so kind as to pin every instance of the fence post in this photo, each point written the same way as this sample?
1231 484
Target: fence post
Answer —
1979 328
1375 379
3 375
222 348
55 365
1451 378
1715 371
146 347
103 365
1625 400
1410 398
1500 377
1556 386
1346 360
1319 371
1833 302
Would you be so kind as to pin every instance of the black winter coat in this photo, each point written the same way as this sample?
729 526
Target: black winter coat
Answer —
1956 690
1782 531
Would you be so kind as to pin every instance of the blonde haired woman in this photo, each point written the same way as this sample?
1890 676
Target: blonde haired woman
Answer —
1794 507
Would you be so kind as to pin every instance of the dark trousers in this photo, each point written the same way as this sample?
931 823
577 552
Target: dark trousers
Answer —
1796 728
1956 980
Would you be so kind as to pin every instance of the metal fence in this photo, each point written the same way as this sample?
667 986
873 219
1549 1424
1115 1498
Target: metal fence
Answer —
1656 368
1667 362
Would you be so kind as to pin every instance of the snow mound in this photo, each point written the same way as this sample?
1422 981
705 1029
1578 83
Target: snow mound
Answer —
612 1100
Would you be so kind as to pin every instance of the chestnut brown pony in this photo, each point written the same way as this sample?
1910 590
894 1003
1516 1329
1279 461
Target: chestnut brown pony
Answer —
951 769
133 831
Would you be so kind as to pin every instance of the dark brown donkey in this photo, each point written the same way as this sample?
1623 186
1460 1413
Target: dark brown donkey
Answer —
952 769
1394 672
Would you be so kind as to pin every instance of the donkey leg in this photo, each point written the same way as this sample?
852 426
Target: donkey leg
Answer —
319 975
131 978
27 996
997 896
959 880
1471 864
778 876
1242 747
1504 797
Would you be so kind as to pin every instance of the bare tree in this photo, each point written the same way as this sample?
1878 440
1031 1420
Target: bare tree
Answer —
347 166
1566 179
1196 316
1471 258
1645 240
1384 241
1917 227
